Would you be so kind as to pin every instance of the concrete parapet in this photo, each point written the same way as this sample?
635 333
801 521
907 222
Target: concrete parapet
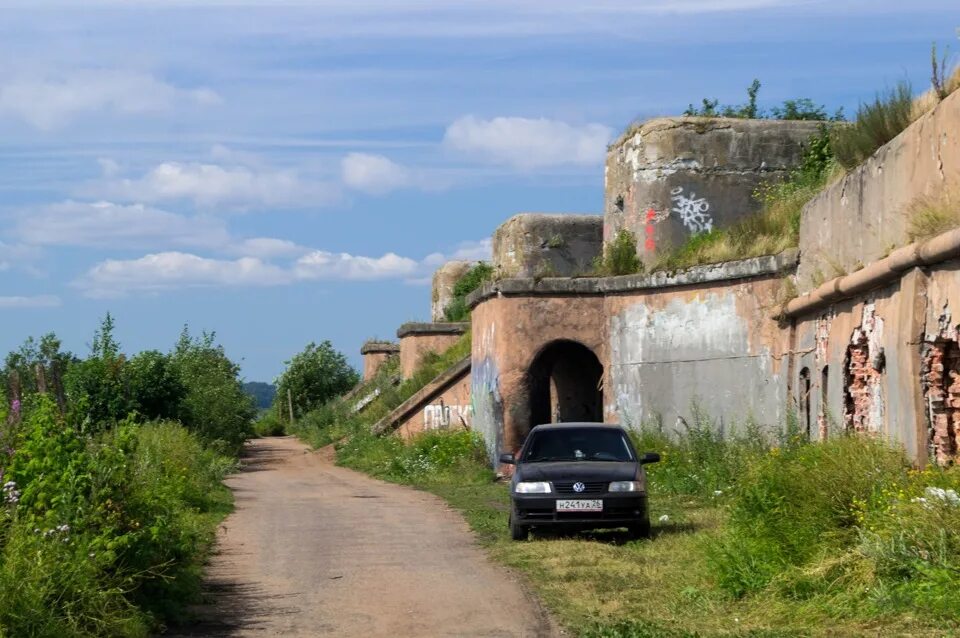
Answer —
542 245
669 178
375 353
417 339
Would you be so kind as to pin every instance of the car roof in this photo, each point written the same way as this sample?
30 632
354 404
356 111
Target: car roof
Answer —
575 424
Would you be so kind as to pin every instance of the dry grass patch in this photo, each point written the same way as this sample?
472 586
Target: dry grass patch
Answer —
931 215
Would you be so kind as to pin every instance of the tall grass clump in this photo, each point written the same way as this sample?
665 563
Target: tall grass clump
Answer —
929 216
699 458
619 256
876 123
798 504
776 227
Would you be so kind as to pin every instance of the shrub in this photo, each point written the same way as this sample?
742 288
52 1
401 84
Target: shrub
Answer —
619 256
269 424
428 457
457 309
315 376
796 109
876 124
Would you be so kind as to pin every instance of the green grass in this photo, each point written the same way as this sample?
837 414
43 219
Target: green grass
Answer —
619 256
458 310
876 123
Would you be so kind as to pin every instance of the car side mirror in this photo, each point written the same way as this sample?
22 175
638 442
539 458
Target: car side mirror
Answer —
649 457
508 459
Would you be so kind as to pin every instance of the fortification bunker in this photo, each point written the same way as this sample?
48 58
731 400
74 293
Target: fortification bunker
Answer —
375 354
418 339
547 245
671 177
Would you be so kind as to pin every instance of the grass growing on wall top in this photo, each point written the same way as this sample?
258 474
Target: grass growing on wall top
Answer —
930 216
776 227
458 310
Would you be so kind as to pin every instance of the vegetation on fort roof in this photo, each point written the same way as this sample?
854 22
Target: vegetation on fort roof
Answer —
619 256
929 216
795 109
775 227
457 309
110 482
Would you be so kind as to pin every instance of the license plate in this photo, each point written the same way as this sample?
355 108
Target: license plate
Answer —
570 505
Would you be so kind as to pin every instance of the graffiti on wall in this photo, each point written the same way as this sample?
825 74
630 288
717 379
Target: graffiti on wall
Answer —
439 416
693 211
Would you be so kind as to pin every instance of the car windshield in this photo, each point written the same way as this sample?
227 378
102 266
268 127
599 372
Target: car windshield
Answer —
577 444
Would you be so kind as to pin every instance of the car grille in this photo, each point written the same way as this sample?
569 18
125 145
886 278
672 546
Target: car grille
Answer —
592 487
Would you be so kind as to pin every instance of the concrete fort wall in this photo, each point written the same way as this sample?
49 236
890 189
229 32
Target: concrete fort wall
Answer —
541 245
444 280
442 404
669 178
662 342
865 215
375 354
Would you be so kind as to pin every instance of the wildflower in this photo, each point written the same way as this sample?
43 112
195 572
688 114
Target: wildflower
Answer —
664 518
947 496
717 492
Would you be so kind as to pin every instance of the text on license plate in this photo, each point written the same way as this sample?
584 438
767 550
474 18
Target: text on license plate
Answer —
579 505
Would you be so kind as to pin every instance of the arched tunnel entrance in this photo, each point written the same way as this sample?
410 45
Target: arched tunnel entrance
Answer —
564 384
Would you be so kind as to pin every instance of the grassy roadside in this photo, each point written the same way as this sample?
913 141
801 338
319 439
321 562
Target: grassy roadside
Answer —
711 529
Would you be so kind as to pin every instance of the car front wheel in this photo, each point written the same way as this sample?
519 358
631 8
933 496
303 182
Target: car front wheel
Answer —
518 532
640 529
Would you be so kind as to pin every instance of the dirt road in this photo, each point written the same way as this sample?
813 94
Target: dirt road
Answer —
315 550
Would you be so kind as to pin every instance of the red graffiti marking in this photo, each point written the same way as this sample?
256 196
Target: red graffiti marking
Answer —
650 244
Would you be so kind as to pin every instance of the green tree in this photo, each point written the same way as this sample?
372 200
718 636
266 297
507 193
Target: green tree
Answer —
315 376
215 406
156 390
96 386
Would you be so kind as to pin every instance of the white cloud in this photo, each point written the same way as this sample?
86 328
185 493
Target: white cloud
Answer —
169 270
50 102
37 301
106 224
267 248
481 250
529 143
218 186
17 255
325 265
373 174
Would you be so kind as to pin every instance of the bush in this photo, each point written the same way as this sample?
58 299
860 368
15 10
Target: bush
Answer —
428 457
104 536
797 109
457 309
876 124
269 424
619 256
315 376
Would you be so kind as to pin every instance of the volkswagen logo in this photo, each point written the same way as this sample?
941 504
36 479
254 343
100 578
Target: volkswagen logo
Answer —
579 487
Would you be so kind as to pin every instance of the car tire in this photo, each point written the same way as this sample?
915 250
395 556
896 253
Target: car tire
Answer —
640 529
518 532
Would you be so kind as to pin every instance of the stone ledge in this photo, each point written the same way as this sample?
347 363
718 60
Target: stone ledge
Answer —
428 329
379 347
725 271
440 383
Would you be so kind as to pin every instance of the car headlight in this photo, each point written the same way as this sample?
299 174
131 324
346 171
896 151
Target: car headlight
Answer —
532 487
626 486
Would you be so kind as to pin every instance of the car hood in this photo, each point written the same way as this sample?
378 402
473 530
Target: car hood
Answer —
578 471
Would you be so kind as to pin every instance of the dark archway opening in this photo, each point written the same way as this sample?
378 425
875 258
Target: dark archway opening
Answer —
565 383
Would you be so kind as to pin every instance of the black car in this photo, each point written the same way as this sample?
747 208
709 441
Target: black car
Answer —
579 476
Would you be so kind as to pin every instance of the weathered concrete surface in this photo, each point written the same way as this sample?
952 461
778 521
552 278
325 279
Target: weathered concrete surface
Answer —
715 345
444 280
442 404
375 354
861 217
318 550
672 177
663 341
417 339
541 245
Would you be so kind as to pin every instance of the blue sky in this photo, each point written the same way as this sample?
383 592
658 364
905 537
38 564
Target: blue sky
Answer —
282 172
